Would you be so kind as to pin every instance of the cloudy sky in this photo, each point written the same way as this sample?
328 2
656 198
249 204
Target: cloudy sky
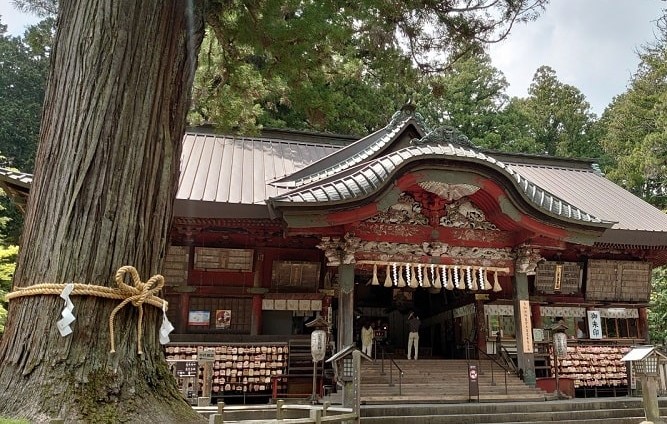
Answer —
591 44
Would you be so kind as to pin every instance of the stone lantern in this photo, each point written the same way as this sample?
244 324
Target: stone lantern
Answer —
645 361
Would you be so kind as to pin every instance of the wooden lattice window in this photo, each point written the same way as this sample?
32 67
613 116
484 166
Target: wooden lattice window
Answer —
295 275
618 280
559 277
218 259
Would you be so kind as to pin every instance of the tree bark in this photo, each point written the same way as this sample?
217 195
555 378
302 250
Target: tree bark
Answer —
102 195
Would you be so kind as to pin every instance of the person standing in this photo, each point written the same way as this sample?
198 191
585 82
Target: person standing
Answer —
367 335
413 338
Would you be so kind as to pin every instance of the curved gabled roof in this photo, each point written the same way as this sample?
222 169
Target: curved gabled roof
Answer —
372 176
355 153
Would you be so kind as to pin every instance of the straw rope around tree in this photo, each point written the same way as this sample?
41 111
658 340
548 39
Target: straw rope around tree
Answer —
138 294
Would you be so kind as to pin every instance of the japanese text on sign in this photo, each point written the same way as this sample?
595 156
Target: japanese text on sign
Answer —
526 327
186 368
594 324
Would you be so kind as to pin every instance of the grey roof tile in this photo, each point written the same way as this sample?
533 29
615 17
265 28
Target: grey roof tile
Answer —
238 170
373 174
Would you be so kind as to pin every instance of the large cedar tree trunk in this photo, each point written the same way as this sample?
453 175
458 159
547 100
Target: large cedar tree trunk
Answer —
102 197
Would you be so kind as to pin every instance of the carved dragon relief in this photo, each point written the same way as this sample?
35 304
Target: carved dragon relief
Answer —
527 259
463 214
386 250
342 250
406 211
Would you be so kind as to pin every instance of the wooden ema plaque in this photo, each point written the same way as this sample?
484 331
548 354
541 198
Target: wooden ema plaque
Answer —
558 277
618 280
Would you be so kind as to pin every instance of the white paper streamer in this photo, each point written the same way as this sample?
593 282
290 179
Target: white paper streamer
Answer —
67 316
166 327
457 277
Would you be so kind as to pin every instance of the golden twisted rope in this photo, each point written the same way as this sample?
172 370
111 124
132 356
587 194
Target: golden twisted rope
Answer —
139 293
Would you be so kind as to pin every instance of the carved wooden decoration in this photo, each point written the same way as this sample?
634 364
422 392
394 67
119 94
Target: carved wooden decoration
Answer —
406 211
449 192
464 214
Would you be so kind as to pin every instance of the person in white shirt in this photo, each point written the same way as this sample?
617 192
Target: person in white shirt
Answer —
413 338
367 335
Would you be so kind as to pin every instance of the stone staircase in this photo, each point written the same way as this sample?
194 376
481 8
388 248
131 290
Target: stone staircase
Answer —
621 410
441 381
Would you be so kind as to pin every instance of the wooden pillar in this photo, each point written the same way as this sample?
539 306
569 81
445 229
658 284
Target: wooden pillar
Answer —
535 315
345 305
524 329
481 324
642 326
346 321
256 317
184 313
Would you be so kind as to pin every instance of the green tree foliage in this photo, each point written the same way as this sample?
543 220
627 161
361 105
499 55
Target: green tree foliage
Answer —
657 313
331 65
557 116
470 96
634 128
23 68
8 255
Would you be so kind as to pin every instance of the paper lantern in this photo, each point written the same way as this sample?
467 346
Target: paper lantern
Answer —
318 343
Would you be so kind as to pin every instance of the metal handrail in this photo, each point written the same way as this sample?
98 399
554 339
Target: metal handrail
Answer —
391 372
504 353
493 361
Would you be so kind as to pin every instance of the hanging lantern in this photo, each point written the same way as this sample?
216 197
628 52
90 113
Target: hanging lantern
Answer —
387 278
374 280
318 343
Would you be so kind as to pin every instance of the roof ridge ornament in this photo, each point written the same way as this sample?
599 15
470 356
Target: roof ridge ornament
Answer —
444 135
406 112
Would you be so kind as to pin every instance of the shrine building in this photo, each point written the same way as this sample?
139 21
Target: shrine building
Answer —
489 249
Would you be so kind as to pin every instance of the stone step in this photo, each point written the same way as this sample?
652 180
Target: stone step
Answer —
602 411
441 381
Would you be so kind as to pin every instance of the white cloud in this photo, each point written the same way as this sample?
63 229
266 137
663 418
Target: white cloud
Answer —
591 45
16 21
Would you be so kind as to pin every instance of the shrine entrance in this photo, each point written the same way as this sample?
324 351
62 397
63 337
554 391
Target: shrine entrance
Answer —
445 333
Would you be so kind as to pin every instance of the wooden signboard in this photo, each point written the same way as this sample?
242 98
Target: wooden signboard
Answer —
558 277
186 368
618 280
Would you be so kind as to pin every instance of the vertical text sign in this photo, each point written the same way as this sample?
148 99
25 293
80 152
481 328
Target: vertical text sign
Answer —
594 324
526 327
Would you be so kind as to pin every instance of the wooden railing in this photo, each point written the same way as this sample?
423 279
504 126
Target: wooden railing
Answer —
316 414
